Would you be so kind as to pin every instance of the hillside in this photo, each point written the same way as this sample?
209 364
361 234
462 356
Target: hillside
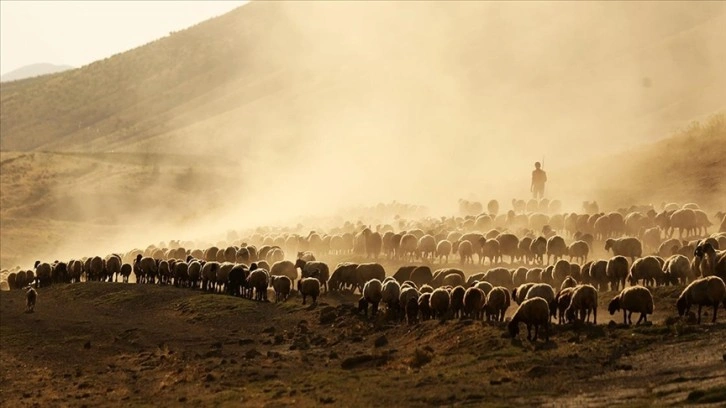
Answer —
34 70
276 71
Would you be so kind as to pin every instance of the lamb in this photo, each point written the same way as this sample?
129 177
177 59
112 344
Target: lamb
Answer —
546 292
498 301
636 299
372 294
578 250
282 286
627 246
31 296
309 287
584 301
708 291
617 271
474 300
532 312
457 300
439 303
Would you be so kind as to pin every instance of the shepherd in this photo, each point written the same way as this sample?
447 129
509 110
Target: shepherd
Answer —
539 177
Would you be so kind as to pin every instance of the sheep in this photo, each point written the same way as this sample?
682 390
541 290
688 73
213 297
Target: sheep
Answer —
441 274
578 250
366 272
497 303
519 294
404 273
524 253
443 250
648 270
281 285
31 296
575 271
538 248
125 272
236 280
710 261
544 291
569 282
584 301
626 246
669 247
43 273
490 249
391 293
534 275
259 280
180 273
411 310
474 300
421 275
314 269
499 277
408 247
556 248
560 271
679 269
343 276
617 271
563 299
684 220
508 245
532 312
598 274
465 252
484 286
309 287
287 268
195 273
439 303
427 247
636 299
457 300
113 267
425 289
519 277
372 294
708 291
424 306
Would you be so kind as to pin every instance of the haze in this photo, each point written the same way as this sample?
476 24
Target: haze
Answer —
331 105
77 33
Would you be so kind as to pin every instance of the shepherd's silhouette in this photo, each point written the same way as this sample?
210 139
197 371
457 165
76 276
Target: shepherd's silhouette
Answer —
539 177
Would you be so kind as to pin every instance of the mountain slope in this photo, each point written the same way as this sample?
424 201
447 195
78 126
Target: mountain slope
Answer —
282 70
34 70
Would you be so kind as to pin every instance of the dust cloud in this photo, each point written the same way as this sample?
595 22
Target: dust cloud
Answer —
429 102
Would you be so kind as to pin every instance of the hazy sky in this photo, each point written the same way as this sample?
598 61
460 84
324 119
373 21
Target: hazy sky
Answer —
79 32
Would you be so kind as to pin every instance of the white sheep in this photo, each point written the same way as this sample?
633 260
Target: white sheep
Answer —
708 291
636 299
391 294
532 312
626 246
546 292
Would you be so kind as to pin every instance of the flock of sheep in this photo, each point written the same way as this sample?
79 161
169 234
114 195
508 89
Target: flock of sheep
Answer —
536 256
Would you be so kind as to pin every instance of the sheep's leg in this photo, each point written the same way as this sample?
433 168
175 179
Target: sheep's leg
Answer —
699 314
625 316
529 332
715 311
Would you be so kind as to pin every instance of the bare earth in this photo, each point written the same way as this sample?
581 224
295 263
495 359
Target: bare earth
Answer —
101 344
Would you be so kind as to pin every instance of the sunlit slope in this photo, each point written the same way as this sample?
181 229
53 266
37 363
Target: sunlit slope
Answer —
485 75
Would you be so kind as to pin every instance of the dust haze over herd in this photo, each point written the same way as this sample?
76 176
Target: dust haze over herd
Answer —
280 110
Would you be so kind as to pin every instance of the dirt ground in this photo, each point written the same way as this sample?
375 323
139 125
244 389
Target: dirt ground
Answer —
112 344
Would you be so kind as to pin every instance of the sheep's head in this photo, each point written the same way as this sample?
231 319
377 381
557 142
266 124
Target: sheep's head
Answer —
682 305
698 252
614 305
609 243
570 314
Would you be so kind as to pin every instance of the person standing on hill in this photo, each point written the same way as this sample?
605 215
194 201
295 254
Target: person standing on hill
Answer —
539 177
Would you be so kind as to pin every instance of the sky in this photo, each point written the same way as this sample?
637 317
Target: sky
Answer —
77 33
